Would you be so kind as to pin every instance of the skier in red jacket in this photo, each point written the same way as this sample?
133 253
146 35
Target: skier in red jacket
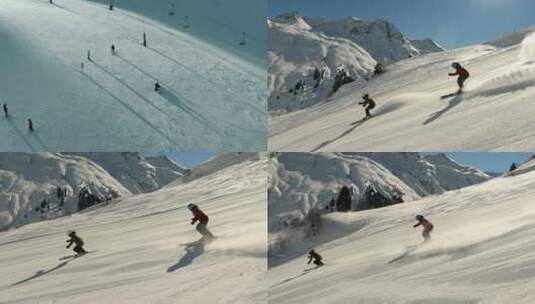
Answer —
202 218
463 75
428 227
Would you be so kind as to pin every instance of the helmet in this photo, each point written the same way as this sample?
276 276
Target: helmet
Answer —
72 232
455 65
311 251
365 96
419 217
192 206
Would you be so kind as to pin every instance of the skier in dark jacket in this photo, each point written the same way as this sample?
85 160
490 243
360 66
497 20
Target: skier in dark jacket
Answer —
463 75
75 239
157 87
316 257
202 218
428 227
368 103
6 111
113 49
30 125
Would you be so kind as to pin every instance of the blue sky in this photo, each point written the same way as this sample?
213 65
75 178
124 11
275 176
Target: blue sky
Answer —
451 23
188 159
490 161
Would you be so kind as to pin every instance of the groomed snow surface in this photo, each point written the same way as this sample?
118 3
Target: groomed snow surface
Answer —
482 251
495 113
212 97
139 251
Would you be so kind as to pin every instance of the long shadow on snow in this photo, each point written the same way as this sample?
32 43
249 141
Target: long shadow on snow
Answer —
124 104
193 250
145 99
41 273
452 104
38 138
383 110
305 272
171 95
201 76
19 132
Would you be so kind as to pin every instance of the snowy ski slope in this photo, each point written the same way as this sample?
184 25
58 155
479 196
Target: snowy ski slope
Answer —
495 113
482 251
139 252
212 98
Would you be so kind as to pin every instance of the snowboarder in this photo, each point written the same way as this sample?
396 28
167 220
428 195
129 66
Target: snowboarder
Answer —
75 239
428 227
316 257
463 75
6 111
368 103
157 87
202 218
30 125
144 39
113 49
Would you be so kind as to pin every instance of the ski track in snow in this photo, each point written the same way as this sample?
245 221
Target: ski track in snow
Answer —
211 99
493 114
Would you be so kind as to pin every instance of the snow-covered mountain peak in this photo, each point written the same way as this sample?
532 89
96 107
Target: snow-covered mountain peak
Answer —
381 38
310 58
293 18
29 185
136 172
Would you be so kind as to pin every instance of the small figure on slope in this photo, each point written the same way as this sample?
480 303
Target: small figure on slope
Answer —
157 87
75 239
368 103
30 125
113 49
144 39
428 227
316 257
202 218
6 111
463 75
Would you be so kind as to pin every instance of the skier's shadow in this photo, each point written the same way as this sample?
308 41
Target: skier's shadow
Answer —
41 273
173 98
193 250
130 109
346 132
19 132
452 104
40 140
305 272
